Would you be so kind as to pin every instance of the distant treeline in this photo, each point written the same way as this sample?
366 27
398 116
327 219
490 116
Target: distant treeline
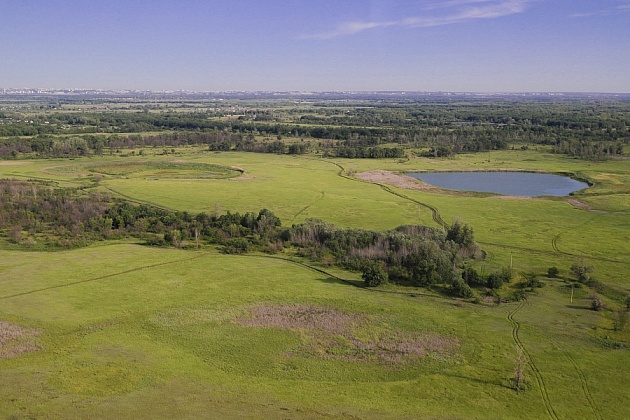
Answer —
589 149
348 130
85 145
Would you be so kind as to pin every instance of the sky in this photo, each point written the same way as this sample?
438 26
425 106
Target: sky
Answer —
317 45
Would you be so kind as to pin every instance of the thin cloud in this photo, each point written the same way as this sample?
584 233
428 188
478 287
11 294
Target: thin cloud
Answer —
458 11
453 3
623 8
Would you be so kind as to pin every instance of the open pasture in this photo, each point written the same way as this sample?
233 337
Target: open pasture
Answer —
557 231
199 331
128 330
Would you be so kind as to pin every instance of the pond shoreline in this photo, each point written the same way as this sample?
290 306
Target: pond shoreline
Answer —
511 182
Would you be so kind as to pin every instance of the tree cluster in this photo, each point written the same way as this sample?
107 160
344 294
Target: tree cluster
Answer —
409 255
34 215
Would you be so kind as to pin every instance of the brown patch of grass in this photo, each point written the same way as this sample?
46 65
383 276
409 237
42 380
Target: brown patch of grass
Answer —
299 317
14 163
410 183
395 180
16 340
584 206
513 197
333 334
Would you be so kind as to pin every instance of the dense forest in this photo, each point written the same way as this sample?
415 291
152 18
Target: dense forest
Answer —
584 128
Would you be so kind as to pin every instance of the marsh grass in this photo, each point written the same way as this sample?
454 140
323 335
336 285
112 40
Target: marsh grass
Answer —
333 334
16 340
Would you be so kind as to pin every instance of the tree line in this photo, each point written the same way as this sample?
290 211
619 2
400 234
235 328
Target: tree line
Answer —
581 128
37 216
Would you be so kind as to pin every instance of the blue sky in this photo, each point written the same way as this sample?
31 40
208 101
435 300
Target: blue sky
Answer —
424 45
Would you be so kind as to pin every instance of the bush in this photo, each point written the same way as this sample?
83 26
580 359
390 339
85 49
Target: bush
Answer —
236 246
472 277
553 272
581 272
532 281
460 288
494 281
373 274
596 303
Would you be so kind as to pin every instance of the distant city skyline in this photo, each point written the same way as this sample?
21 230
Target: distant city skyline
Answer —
309 45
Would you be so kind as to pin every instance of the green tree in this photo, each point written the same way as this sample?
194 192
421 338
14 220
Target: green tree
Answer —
496 280
472 277
236 246
374 274
581 272
460 288
461 234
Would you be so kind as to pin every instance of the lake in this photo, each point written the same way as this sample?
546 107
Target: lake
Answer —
507 183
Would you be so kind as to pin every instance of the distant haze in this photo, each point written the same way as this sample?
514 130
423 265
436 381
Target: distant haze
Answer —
317 45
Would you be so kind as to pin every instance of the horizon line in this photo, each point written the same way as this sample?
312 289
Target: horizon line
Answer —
308 91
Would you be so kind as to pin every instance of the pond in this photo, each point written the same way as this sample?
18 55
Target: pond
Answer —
507 183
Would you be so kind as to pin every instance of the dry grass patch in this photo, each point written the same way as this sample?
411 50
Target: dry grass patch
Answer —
395 180
584 206
331 334
16 340
15 163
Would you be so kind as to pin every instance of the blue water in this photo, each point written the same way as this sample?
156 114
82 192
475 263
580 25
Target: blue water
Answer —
507 183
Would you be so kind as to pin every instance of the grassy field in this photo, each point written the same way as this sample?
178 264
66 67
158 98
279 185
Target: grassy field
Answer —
117 339
123 330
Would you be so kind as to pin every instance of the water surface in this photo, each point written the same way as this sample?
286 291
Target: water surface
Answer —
507 183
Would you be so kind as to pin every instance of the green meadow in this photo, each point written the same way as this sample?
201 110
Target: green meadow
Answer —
122 330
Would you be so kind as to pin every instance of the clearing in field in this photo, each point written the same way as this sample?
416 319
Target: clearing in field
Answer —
333 334
16 340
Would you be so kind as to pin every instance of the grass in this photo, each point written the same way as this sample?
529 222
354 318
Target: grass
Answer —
125 330
207 326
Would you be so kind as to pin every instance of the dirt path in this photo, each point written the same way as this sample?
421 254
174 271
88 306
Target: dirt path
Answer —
537 374
584 206
308 206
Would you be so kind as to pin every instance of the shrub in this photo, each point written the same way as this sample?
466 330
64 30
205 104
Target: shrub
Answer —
373 274
472 277
460 288
236 246
596 303
581 271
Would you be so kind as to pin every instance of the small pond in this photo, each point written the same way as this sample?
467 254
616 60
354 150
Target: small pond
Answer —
507 183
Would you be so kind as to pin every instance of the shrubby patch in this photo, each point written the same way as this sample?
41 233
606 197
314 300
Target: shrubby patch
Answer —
331 334
16 340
